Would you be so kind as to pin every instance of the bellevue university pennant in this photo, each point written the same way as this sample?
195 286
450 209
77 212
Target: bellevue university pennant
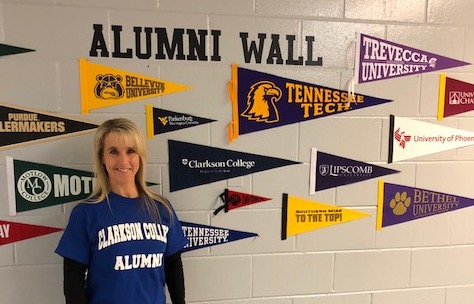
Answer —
455 97
11 232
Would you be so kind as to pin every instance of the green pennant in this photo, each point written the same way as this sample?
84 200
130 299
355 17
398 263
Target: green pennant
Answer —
6 49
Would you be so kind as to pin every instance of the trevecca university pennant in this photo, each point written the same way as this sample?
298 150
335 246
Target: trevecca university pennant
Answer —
11 232
103 86
160 121
410 138
20 126
329 171
233 200
6 49
192 165
455 97
300 215
201 236
378 59
262 101
398 204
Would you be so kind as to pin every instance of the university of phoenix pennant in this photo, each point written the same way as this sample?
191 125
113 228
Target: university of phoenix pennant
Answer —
328 171
6 49
201 236
410 138
11 232
192 165
160 121
233 200
398 204
378 59
299 215
455 97
262 101
20 126
103 86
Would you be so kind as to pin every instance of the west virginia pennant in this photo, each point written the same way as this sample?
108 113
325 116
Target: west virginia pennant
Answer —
6 49
103 86
378 59
11 232
20 126
234 200
455 97
201 236
262 101
192 165
329 171
398 204
410 138
299 216
161 121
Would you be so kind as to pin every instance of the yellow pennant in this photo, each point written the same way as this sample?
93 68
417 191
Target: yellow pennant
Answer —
103 86
299 215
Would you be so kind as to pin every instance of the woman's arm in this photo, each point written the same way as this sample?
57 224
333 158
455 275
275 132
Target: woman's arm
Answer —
174 276
74 282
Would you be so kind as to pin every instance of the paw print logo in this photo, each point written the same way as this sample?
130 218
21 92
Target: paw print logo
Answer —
400 203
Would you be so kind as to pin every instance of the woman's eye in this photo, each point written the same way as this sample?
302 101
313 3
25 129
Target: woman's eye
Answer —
114 152
130 151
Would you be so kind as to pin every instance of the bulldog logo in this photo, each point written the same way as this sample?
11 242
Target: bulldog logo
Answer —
261 101
109 87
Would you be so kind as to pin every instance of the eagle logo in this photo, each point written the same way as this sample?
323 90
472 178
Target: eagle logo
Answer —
261 101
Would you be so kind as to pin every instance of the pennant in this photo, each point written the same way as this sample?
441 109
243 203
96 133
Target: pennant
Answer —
328 171
398 204
378 59
160 121
103 86
192 165
455 97
201 236
11 232
410 138
234 200
6 50
300 216
20 126
262 101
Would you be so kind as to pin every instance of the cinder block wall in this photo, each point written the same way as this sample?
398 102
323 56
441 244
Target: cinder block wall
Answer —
429 261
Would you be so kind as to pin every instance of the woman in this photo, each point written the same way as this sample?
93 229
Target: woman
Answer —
125 237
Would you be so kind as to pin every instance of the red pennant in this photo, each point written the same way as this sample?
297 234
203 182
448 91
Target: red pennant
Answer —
234 200
11 232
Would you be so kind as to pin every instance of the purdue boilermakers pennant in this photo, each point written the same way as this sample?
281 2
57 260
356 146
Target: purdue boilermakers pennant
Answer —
455 97
6 49
11 232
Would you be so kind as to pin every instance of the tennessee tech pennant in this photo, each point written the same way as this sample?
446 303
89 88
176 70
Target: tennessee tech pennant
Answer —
378 59
234 200
455 97
410 138
328 171
6 49
299 216
11 232
20 126
262 101
103 86
398 204
202 236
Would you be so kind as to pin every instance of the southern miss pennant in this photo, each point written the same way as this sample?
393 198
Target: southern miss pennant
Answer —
378 59
192 165
201 236
455 97
299 216
262 101
234 200
20 126
103 86
6 49
410 138
398 204
329 171
11 232
160 121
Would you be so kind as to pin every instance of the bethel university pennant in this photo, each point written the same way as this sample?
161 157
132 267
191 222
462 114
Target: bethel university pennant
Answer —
398 204
103 86
455 97
201 236
378 59
6 49
11 232
410 138
262 101
234 200
329 171
192 165
299 216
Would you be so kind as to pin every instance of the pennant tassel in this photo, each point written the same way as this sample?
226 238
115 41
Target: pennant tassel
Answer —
223 198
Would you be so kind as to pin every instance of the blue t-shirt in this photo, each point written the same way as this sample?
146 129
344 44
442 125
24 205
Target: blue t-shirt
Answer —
123 248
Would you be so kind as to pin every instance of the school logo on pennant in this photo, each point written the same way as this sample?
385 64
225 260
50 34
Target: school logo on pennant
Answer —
233 200
202 236
11 232
300 216
103 86
378 59
193 165
6 50
410 138
329 171
262 101
20 126
455 97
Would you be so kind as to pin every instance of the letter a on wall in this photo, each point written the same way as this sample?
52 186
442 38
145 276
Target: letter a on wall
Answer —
455 97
